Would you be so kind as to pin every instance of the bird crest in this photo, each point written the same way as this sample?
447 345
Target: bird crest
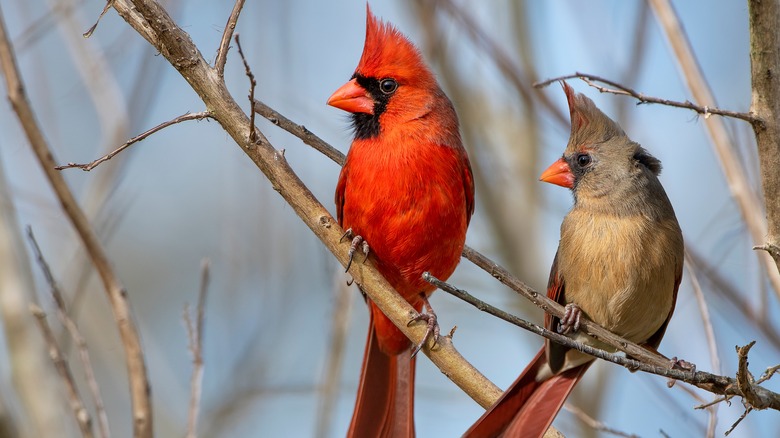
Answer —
588 124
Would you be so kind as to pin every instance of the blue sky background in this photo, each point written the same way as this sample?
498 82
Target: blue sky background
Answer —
188 193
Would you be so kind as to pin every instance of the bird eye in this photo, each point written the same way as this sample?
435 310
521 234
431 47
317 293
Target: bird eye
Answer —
583 160
388 86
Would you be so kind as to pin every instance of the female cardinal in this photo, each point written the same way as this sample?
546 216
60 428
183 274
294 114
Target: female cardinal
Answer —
619 262
406 189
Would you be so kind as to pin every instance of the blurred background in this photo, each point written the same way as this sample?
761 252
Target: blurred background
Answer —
284 335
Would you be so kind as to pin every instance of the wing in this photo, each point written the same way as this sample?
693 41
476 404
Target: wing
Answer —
468 187
340 187
655 340
556 290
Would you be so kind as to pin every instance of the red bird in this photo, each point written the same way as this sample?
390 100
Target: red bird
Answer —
619 262
407 190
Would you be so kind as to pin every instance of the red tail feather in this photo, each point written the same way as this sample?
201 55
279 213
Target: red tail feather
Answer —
385 400
528 408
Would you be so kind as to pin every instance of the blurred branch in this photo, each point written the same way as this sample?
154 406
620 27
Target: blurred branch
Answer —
733 169
177 47
92 164
623 90
764 67
117 295
76 404
596 424
75 334
503 61
195 337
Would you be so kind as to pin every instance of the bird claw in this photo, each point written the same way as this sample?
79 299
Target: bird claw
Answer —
432 329
683 365
356 241
570 322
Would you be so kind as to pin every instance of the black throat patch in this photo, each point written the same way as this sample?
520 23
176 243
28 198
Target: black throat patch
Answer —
365 125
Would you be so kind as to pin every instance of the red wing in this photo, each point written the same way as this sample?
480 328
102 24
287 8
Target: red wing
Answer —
340 187
468 188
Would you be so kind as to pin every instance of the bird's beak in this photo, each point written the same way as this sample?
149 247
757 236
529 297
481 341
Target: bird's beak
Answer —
353 98
559 173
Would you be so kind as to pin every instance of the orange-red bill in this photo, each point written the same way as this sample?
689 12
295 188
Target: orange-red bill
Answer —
353 98
559 173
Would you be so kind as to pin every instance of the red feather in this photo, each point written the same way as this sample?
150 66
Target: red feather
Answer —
407 189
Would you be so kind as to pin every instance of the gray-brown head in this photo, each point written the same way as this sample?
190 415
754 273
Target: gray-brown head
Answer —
601 165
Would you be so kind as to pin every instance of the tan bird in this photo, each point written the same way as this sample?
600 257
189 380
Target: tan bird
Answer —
619 262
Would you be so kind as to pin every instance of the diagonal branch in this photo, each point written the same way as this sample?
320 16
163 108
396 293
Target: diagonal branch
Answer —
117 294
177 47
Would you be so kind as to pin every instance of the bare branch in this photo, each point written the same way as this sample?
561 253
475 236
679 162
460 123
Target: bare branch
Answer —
623 90
649 361
182 118
195 336
252 85
117 295
91 30
224 44
177 47
75 334
299 131
74 399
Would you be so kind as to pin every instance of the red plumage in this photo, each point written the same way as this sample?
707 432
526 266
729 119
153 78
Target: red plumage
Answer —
407 189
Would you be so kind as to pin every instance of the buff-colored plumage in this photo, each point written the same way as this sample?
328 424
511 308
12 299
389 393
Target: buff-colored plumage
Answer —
619 260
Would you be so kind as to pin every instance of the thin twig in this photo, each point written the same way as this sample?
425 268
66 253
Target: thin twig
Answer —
227 34
195 336
63 369
91 30
596 424
182 118
299 131
739 420
117 295
252 85
75 334
754 212
623 90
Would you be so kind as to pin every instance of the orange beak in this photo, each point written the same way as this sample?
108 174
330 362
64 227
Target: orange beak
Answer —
559 173
353 98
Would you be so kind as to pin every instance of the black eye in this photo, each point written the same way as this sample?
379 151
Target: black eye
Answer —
583 160
388 86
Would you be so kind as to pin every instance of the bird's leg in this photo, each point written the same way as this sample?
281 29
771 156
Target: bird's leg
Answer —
433 325
570 322
356 241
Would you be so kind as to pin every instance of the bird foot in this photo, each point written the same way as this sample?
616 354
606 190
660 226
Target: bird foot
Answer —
683 365
432 329
570 322
356 241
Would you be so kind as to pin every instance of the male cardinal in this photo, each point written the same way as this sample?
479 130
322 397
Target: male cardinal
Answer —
619 262
407 190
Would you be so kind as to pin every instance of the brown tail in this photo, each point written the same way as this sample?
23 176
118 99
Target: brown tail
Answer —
528 408
385 399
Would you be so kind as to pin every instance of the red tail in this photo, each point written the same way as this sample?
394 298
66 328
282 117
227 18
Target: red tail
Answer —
528 408
385 400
